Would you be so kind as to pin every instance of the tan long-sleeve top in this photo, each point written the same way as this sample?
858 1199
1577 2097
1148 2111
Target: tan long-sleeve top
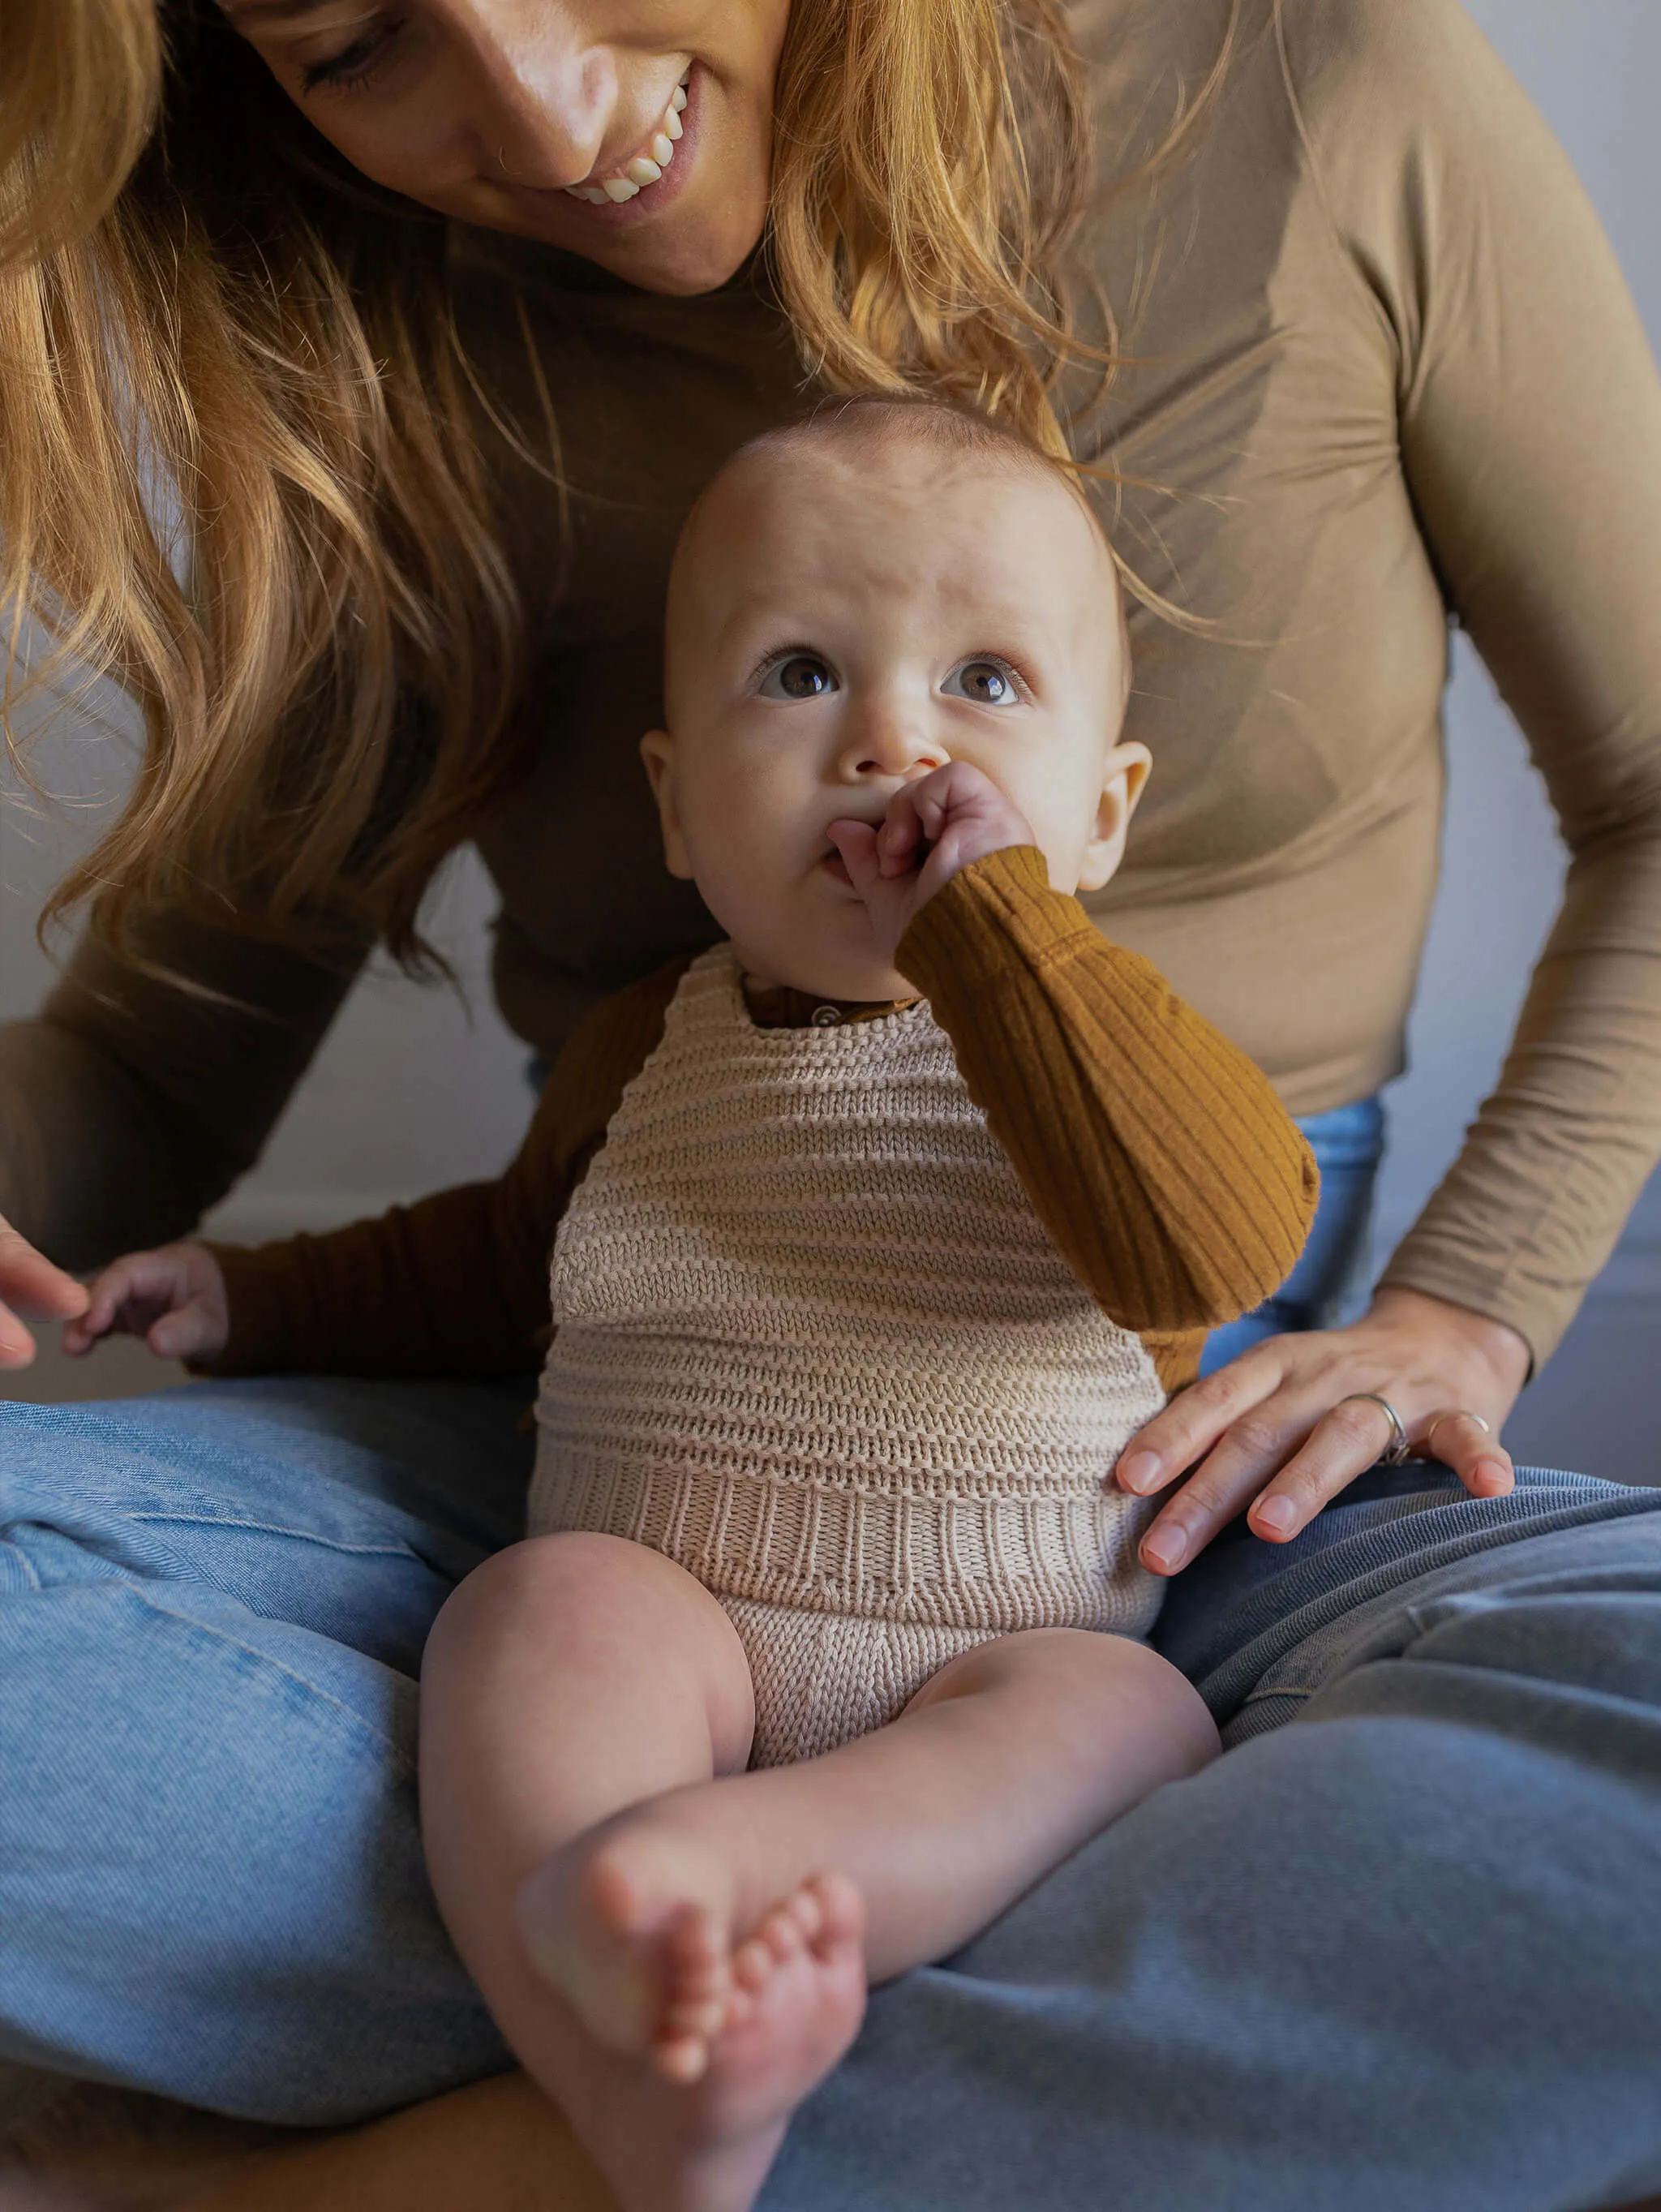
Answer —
1156 1156
1380 370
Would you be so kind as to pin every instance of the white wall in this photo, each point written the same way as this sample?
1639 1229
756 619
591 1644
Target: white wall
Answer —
409 1092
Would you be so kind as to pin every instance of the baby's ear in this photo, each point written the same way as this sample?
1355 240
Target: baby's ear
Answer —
657 751
1126 772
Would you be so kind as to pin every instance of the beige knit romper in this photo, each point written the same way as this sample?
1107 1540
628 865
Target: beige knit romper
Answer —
813 1343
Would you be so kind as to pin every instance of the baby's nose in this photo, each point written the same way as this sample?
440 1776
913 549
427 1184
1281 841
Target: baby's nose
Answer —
893 747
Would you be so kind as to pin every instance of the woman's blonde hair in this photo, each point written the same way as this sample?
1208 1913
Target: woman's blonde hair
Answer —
238 467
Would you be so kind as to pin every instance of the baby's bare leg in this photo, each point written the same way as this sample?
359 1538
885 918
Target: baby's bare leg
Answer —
1003 1765
568 1677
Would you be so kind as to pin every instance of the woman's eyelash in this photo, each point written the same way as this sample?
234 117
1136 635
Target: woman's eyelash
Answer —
348 69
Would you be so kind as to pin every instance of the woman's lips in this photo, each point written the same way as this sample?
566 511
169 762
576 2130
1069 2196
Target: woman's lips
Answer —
591 203
835 865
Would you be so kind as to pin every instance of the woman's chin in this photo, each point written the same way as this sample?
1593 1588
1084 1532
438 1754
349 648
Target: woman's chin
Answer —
702 265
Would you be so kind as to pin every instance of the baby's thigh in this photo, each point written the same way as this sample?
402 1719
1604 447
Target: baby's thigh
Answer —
574 1628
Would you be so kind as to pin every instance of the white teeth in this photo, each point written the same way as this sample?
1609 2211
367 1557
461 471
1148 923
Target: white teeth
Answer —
645 168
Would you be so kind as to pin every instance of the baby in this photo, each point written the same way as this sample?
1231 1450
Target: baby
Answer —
880 1229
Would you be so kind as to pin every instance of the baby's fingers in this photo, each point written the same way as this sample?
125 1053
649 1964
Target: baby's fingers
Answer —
901 834
857 842
107 1297
190 1333
123 1300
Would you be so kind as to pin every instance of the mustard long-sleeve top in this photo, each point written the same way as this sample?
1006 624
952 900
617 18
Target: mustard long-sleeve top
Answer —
1380 372
1155 1154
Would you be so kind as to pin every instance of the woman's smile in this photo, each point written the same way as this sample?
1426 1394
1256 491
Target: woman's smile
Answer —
647 168
639 136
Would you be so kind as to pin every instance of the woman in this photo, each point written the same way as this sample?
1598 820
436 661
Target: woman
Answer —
428 321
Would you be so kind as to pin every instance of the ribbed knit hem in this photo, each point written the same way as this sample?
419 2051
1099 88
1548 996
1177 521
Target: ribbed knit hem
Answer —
994 1564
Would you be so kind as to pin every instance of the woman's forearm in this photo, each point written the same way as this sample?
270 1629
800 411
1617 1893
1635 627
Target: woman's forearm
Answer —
130 1103
1541 1189
90 1164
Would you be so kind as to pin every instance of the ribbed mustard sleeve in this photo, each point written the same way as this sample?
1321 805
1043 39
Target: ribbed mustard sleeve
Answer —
456 1285
1156 1154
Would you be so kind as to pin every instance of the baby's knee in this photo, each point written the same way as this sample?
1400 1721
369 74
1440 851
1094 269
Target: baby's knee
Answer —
1085 1678
567 1583
1117 1672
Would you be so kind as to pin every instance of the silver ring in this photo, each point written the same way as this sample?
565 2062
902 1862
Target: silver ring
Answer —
1398 1448
1455 1413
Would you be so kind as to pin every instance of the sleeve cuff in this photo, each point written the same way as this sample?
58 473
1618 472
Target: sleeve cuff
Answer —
259 1340
966 931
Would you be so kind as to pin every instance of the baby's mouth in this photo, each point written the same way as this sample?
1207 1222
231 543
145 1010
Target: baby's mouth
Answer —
644 168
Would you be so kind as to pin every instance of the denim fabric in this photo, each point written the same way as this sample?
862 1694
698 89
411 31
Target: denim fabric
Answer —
1329 1284
1403 1951
1400 1951
212 1606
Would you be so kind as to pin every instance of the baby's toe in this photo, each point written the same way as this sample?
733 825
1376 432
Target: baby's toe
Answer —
752 1964
683 2061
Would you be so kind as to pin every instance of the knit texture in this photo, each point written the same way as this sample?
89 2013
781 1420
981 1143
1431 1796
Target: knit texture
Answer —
1154 1152
822 1678
812 1341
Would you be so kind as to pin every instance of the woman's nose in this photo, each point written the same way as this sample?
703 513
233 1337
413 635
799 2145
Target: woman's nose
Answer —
551 86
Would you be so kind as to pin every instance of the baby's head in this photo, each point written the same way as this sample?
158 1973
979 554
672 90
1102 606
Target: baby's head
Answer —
855 601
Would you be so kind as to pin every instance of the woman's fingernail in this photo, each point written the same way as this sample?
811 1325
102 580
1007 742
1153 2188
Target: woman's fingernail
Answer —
1493 1477
1164 1547
1276 1513
1140 1472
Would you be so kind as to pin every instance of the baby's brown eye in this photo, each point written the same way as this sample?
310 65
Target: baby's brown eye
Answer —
798 676
988 683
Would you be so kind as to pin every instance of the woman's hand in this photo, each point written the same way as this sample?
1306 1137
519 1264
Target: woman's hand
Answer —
175 1298
953 815
1281 1428
31 1289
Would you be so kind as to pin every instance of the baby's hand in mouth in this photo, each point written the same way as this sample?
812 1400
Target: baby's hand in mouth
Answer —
947 819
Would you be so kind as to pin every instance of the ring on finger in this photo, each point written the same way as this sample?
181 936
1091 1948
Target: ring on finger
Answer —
1454 1413
1398 1448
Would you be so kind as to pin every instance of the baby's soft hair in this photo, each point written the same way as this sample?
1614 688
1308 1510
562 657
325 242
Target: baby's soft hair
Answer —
868 420
240 462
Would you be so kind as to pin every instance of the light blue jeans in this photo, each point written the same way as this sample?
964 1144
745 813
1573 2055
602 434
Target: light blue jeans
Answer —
1398 1948
1329 1283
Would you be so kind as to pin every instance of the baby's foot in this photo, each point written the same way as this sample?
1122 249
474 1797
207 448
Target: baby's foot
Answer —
699 2054
798 1995
633 1929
